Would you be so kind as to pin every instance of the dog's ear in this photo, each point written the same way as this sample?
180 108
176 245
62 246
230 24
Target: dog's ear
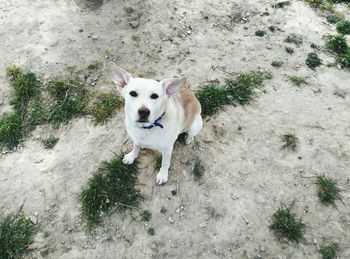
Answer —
119 76
173 85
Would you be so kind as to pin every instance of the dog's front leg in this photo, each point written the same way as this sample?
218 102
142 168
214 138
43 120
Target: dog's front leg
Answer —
162 176
130 157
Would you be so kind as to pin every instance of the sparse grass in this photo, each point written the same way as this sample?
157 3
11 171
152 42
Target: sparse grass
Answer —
344 59
260 33
95 65
111 186
151 232
146 215
26 86
290 141
289 50
11 130
293 38
337 44
277 63
242 89
313 61
297 80
37 114
334 18
50 142
198 169
69 101
285 225
328 190
343 26
212 98
105 106
324 5
158 163
16 234
329 251
14 71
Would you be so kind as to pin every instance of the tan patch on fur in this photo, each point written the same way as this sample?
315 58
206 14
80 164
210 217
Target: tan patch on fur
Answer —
191 106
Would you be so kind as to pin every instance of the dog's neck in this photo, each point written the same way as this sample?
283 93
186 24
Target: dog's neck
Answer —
156 123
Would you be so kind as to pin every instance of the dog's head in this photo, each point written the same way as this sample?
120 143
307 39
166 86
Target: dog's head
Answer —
145 99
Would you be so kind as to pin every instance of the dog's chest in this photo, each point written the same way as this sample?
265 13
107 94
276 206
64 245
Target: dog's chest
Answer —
148 138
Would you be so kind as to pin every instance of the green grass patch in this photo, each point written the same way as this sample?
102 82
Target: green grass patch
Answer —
242 89
323 5
69 101
328 190
297 80
151 232
289 50
343 26
286 225
158 163
16 234
104 107
277 63
146 215
198 169
113 185
212 98
260 33
334 18
337 44
293 38
50 142
329 251
14 71
344 59
11 130
95 65
313 61
290 141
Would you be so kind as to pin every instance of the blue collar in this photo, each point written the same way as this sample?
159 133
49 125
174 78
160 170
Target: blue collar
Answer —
156 123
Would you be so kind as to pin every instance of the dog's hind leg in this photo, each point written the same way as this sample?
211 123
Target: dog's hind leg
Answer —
193 130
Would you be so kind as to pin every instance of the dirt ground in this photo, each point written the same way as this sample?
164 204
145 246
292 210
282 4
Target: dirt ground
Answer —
228 213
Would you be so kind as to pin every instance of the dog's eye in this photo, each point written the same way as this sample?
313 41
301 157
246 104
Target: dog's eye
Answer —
154 96
133 94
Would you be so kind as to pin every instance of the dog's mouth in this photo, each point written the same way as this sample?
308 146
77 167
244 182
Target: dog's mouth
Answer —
143 121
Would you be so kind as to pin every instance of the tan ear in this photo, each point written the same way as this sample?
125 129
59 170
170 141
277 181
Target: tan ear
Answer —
119 76
173 85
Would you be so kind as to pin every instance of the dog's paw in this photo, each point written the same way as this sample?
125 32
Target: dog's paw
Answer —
162 178
129 159
188 139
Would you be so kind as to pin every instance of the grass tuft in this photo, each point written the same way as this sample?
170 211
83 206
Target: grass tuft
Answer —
104 107
50 142
313 61
290 141
16 234
286 225
328 190
111 186
343 26
212 98
293 38
277 63
198 169
11 130
344 59
260 33
14 71
242 89
298 80
69 101
146 215
151 232
289 50
158 163
337 44
95 65
329 251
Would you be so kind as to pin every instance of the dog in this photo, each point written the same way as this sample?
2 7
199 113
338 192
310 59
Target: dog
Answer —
156 112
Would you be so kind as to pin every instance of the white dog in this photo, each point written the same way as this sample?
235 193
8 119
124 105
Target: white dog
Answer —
156 113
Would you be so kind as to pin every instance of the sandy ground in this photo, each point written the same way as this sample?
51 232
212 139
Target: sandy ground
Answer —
248 175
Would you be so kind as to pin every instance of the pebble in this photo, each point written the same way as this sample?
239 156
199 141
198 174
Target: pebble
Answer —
33 219
94 37
134 24
315 241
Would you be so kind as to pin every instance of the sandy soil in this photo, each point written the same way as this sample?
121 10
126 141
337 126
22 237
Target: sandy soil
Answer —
248 175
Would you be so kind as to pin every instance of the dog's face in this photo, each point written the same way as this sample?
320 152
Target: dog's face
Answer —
145 99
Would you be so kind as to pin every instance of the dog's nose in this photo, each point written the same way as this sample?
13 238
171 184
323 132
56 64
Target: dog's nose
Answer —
144 113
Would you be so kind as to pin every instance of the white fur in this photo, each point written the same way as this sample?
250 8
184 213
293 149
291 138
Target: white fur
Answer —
156 138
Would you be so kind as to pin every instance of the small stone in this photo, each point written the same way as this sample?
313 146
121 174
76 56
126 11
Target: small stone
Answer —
171 220
134 24
33 219
94 37
315 241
